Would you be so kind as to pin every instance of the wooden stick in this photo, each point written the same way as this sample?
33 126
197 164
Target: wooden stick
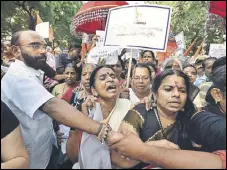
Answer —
129 69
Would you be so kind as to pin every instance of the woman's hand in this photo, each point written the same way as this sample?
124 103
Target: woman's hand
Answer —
89 104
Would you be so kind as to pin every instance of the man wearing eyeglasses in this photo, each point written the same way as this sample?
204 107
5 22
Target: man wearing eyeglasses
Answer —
23 92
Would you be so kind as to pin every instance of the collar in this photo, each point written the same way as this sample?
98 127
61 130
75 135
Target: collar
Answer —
32 70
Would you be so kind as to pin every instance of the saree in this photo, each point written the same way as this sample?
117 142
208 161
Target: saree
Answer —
94 154
146 125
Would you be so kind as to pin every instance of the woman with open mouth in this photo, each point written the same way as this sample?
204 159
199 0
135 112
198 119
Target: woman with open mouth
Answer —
169 116
104 106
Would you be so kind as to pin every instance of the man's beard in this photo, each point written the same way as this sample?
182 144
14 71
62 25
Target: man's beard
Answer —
36 62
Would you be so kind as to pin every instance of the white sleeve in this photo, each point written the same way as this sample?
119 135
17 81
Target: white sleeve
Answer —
27 94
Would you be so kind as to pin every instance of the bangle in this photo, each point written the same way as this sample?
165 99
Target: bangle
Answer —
104 133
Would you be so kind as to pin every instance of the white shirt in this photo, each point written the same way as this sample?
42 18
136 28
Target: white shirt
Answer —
23 92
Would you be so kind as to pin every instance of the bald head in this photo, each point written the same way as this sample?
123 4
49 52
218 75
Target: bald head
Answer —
27 36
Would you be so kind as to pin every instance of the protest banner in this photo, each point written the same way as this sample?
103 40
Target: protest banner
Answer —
217 50
100 37
43 29
140 28
108 54
180 40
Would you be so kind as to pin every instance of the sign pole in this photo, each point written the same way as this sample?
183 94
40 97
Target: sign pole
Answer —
129 68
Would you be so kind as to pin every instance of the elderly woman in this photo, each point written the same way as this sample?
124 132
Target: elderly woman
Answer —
169 117
148 57
70 83
105 87
172 63
141 83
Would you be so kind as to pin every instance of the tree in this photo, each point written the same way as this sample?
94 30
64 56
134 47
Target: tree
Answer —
190 17
20 15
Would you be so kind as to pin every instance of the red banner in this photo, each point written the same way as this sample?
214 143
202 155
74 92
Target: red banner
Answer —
218 7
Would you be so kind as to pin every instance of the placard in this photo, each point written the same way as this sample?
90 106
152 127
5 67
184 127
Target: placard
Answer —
110 54
217 50
100 37
43 29
138 26
180 40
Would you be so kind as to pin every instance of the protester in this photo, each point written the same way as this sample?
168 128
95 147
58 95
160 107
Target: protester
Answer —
201 77
191 72
171 117
105 88
148 57
33 105
57 49
13 152
172 63
80 94
207 128
207 66
168 158
71 76
72 57
141 83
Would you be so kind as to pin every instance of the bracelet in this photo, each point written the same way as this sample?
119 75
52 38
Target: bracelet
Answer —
104 133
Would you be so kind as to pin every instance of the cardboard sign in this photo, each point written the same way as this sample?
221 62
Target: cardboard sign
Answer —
101 36
109 54
217 50
180 40
43 29
139 27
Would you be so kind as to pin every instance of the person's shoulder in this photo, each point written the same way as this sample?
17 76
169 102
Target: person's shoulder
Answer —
206 116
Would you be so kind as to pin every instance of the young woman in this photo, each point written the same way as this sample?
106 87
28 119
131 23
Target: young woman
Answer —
169 117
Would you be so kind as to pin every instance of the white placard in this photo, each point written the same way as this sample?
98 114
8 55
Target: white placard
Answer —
43 29
110 54
217 50
136 54
101 36
180 40
139 27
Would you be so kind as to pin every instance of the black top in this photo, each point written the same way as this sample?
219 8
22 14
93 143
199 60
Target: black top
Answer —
209 130
9 122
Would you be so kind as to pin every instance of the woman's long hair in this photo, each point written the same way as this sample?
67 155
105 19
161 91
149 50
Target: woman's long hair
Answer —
183 117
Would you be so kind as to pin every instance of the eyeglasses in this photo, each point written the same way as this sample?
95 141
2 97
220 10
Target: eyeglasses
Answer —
36 46
144 78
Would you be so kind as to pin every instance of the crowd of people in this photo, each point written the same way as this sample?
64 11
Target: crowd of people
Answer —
58 111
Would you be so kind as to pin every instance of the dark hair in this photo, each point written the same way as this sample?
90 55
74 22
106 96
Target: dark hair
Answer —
133 61
190 65
93 74
15 38
152 53
58 42
207 59
143 65
153 66
183 117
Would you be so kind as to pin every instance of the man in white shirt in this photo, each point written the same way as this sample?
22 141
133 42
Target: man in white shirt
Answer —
23 92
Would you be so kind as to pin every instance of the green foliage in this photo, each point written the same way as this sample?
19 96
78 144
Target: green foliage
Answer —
20 15
190 17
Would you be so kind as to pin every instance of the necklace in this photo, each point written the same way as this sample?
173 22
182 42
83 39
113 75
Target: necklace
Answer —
160 123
